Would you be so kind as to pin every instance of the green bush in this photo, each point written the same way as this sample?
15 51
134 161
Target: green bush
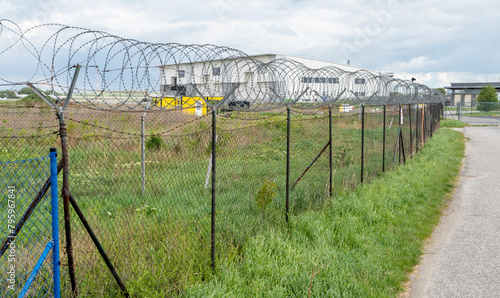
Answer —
487 99
488 106
8 94
154 143
265 195
32 98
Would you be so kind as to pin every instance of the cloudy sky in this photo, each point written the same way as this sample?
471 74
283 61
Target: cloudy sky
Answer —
437 42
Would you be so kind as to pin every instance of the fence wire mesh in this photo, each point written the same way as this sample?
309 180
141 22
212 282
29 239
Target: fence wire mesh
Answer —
178 154
475 113
21 182
153 215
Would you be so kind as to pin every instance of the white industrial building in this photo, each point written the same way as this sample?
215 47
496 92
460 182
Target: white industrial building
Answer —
264 78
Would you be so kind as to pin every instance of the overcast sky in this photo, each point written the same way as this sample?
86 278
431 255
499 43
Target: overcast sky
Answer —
437 42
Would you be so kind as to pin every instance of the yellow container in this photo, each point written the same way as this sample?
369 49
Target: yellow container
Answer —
188 105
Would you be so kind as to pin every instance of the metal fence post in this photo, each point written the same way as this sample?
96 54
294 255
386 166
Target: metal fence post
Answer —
331 150
143 154
65 168
423 125
55 223
427 122
431 115
411 133
362 141
400 112
214 159
441 113
287 162
65 194
459 111
416 129
98 245
143 146
426 126
383 140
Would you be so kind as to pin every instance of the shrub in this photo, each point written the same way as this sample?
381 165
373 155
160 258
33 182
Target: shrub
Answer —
487 99
265 195
154 143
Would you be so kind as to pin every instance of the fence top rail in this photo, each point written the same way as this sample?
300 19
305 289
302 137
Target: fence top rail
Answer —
25 160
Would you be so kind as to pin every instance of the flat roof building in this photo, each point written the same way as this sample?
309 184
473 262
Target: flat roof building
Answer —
466 93
218 76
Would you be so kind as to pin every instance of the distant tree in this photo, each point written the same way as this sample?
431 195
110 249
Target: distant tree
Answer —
7 93
32 98
26 90
441 90
487 99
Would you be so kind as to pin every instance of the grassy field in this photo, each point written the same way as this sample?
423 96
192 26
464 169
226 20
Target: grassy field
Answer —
362 244
159 241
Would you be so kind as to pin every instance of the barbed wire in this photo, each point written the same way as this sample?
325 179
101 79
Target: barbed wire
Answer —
30 136
86 123
126 74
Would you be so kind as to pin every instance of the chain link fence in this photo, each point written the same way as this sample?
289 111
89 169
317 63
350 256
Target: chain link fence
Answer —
29 251
475 113
157 208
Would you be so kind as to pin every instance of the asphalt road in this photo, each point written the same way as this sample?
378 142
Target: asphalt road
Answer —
462 258
481 120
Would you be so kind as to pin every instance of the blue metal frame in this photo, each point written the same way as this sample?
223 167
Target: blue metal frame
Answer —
55 222
38 265
54 244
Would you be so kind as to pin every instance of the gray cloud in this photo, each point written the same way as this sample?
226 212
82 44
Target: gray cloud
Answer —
436 40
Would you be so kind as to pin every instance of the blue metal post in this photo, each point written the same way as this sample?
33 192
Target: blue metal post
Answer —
55 222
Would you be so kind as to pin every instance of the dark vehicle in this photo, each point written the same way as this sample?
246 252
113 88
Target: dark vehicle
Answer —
238 104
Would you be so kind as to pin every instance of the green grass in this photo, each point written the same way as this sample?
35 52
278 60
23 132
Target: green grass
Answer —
363 244
483 114
167 251
451 123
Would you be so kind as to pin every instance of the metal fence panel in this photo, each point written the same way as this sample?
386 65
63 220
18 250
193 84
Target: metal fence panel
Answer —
29 253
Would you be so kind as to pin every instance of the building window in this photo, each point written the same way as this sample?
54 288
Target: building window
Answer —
248 77
181 73
206 79
318 80
359 81
359 93
216 71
